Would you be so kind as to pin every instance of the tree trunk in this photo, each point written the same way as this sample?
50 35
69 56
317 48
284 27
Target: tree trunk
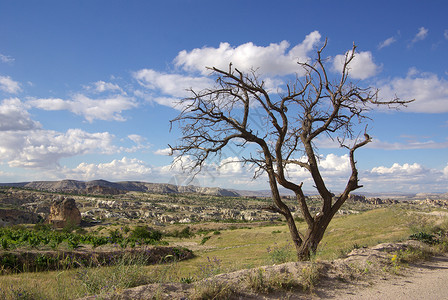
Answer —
313 236
309 245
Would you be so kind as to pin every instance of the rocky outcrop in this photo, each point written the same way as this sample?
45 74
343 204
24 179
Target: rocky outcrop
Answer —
101 190
374 201
64 212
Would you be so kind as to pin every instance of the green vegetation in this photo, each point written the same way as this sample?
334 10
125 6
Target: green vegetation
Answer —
45 237
251 246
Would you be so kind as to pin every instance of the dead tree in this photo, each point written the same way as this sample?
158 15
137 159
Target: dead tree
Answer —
310 107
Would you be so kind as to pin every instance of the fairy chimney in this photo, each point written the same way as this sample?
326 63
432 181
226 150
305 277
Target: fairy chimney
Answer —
64 211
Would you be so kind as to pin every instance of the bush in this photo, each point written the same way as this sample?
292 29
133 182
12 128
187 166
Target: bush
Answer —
424 237
143 233
205 239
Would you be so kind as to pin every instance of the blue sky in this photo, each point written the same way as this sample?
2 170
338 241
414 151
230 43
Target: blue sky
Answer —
87 87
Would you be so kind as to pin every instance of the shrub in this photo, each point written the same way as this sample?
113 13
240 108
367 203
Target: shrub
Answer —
424 237
205 239
310 276
143 233
186 233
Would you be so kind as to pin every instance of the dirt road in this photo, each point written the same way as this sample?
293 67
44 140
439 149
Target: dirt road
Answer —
425 280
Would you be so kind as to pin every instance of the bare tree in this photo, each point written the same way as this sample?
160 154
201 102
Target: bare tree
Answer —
310 107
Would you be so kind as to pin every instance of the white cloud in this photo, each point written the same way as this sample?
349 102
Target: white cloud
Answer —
361 67
140 144
272 60
102 86
45 148
8 85
445 171
335 164
6 59
169 87
175 85
15 117
109 108
231 166
397 169
405 178
335 169
50 104
429 91
164 152
118 169
421 35
445 34
387 43
138 139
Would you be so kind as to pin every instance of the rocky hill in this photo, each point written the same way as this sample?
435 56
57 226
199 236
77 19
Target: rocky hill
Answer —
113 188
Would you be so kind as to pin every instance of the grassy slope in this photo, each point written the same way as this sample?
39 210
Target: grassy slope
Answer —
234 249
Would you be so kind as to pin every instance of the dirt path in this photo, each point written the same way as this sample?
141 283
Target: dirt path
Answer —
425 280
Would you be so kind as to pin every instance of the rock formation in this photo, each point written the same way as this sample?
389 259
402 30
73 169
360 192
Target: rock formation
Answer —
64 212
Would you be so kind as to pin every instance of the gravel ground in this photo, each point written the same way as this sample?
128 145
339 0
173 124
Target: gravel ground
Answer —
425 280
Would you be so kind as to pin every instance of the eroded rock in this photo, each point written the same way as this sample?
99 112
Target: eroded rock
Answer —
64 212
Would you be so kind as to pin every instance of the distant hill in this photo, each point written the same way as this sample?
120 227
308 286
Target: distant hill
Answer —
104 187
107 187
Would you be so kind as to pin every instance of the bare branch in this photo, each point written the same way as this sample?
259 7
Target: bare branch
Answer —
313 105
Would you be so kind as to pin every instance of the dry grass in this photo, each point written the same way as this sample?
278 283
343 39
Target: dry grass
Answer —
231 250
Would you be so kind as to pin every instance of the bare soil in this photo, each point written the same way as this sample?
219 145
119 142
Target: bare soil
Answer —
424 280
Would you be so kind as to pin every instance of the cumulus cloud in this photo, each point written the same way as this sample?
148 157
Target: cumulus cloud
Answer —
109 108
231 166
445 171
387 42
6 59
334 168
274 59
429 91
8 85
175 85
118 169
15 117
407 177
170 88
421 35
397 169
361 67
45 148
